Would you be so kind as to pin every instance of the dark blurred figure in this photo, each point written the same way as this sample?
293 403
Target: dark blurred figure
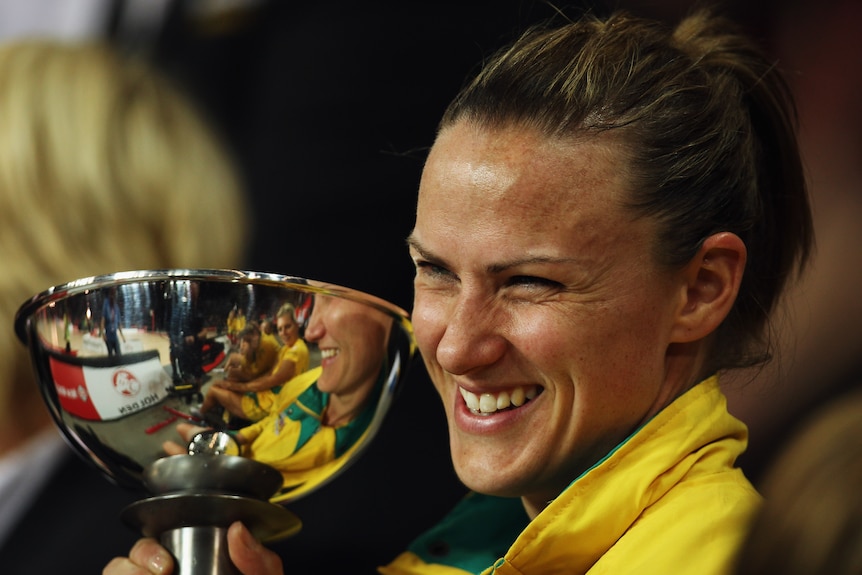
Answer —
811 522
820 357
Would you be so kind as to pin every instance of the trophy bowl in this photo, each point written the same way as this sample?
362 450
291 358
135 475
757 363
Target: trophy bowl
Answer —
176 382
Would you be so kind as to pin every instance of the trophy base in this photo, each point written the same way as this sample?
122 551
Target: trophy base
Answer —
193 526
267 521
198 497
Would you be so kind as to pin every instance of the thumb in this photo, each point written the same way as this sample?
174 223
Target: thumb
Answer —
249 555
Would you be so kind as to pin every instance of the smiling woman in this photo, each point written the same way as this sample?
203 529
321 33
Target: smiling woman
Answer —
605 221
571 312
582 248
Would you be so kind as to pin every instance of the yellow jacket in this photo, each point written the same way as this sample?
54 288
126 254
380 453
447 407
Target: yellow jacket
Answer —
235 324
292 438
257 404
666 500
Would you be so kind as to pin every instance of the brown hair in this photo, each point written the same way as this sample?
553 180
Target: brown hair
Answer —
707 127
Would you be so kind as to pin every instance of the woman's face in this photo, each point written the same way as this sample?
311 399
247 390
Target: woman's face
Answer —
352 340
288 330
535 289
248 345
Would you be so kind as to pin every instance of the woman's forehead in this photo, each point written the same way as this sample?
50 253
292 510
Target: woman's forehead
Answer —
474 172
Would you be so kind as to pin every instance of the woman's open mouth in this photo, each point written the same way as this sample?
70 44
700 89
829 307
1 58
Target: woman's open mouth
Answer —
488 403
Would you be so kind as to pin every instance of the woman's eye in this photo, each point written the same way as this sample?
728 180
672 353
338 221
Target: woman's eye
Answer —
429 269
533 281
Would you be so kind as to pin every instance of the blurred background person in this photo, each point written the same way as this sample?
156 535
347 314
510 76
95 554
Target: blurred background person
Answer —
821 358
104 166
254 399
111 326
257 355
234 324
811 522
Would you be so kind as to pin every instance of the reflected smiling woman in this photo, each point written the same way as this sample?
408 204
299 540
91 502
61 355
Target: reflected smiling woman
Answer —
322 414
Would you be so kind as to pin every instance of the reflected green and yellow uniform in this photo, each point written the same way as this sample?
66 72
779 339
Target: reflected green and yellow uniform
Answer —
293 439
258 404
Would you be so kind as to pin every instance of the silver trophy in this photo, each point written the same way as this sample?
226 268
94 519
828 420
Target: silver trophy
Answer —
160 379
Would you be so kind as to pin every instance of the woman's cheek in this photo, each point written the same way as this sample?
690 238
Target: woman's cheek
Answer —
428 326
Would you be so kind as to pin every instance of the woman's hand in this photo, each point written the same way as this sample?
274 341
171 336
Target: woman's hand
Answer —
249 555
147 557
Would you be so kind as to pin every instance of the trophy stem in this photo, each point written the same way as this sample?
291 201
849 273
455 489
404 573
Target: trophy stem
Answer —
198 497
199 550
193 526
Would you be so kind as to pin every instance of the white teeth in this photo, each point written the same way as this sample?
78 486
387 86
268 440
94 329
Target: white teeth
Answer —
471 399
328 352
503 400
518 397
489 403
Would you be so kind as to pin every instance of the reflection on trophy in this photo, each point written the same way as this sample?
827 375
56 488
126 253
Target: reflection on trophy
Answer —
156 402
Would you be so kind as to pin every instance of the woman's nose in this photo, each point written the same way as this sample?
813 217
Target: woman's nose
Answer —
470 337
314 330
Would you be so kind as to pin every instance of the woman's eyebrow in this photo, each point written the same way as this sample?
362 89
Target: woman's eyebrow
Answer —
413 243
499 267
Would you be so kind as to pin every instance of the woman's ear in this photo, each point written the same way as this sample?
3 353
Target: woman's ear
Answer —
712 280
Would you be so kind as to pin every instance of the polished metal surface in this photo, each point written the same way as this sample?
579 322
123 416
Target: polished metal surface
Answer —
120 410
213 442
200 550
212 473
162 513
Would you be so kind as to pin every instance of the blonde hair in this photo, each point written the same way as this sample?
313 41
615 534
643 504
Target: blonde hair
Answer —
287 309
105 166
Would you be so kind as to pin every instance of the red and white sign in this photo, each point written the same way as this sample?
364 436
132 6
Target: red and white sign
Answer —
103 393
